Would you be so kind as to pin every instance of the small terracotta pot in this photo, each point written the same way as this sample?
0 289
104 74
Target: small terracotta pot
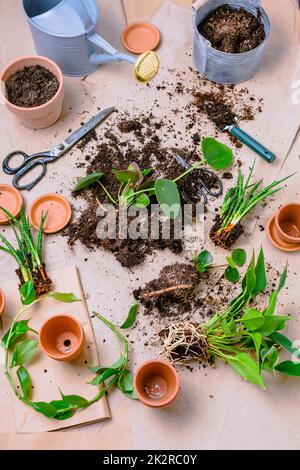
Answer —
42 116
156 383
2 302
287 223
62 338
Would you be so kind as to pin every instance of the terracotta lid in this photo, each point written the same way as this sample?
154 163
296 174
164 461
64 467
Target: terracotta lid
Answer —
2 302
11 200
140 37
59 212
156 383
276 240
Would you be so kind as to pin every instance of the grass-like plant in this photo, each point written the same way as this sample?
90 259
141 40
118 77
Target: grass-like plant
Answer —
238 202
242 336
28 253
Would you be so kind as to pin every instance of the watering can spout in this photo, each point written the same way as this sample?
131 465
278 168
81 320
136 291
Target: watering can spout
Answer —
110 55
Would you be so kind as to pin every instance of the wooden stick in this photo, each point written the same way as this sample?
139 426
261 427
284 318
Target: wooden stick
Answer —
157 293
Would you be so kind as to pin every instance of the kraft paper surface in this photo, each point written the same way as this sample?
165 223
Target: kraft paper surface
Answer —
47 375
216 409
136 10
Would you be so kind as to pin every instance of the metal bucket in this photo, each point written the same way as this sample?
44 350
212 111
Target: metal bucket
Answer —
64 31
222 67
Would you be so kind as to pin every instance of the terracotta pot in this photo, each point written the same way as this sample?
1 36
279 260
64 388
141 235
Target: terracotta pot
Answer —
156 383
2 302
62 338
42 116
287 223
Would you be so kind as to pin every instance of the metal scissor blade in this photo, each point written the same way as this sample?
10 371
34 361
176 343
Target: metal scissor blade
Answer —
86 128
182 162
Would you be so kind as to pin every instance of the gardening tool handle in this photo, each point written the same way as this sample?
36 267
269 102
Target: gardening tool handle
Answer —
111 54
252 143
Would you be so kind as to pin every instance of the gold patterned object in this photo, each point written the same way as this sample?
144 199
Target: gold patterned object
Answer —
146 67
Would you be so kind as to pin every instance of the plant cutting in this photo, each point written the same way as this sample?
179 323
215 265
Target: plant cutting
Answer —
29 252
242 336
238 202
19 351
138 186
238 258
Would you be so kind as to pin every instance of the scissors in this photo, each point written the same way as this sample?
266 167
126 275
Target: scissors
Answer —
202 188
43 158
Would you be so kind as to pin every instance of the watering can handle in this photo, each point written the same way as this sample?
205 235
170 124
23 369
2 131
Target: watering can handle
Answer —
111 54
83 13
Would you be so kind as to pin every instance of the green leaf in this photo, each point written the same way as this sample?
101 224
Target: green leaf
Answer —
117 365
260 273
126 176
239 256
288 368
168 197
99 379
127 197
232 274
204 261
23 351
282 280
125 382
272 324
284 342
24 380
88 181
142 200
131 318
65 416
67 298
216 154
45 408
75 401
252 319
146 172
257 340
229 327
18 329
249 281
270 357
27 292
245 366
60 405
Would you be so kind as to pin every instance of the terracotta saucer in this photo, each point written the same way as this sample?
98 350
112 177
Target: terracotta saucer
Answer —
275 239
140 37
11 200
59 212
2 302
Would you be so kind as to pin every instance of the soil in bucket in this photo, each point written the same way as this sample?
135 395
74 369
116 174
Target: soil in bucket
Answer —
32 86
233 31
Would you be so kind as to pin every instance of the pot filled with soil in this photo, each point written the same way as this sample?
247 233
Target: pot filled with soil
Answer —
33 89
230 39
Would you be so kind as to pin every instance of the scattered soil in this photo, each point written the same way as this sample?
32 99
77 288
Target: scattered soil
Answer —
227 239
31 87
91 136
175 284
42 283
233 30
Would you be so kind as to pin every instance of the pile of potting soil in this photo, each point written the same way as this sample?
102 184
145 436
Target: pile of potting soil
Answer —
233 30
31 86
143 138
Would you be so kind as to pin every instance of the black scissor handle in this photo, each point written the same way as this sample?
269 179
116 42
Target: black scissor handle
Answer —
219 184
13 171
26 169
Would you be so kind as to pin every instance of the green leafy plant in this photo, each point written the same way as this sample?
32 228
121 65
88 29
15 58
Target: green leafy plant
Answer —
28 253
138 186
238 202
21 351
117 374
242 336
238 258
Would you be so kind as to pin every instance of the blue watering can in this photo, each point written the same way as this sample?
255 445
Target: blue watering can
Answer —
64 31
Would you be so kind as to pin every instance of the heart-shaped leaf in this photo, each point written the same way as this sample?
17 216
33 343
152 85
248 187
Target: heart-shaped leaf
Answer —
219 156
168 197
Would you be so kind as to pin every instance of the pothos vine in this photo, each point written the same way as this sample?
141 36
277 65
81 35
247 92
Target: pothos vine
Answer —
21 351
